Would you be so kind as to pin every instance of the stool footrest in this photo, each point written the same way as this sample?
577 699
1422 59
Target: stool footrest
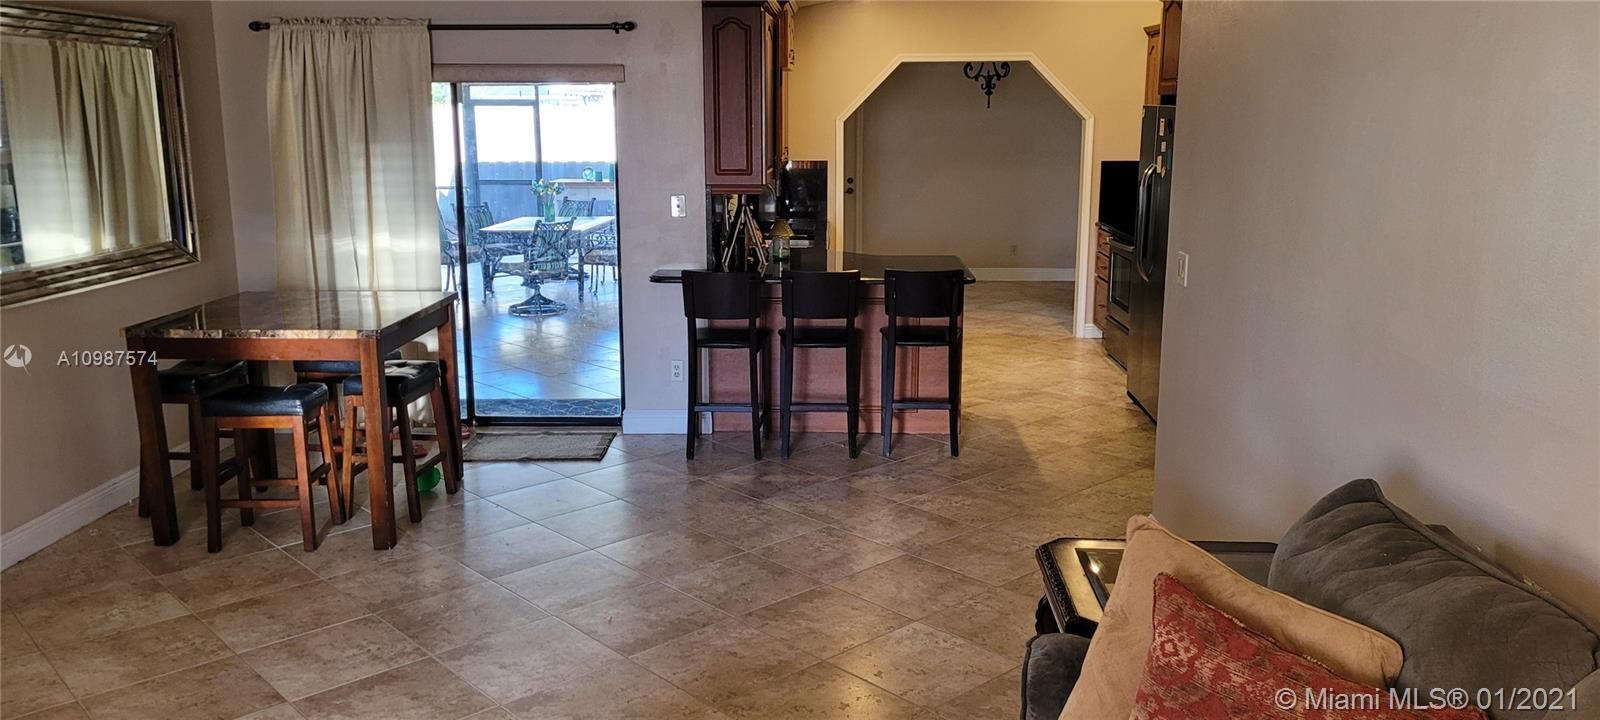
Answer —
261 504
922 404
819 407
722 407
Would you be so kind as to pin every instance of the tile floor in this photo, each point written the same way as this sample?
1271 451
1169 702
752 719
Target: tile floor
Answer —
640 586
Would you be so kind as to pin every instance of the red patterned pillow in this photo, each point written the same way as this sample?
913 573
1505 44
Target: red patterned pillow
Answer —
1204 665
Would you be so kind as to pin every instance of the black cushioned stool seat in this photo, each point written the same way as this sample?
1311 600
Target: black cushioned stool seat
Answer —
201 377
335 367
304 399
405 377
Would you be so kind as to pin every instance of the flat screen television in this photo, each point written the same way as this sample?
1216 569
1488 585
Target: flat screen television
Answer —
1119 197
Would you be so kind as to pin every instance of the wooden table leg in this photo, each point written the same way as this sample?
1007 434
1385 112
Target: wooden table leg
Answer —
375 402
450 425
266 451
155 473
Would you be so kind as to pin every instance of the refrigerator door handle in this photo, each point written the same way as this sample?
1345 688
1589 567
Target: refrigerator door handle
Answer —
1142 227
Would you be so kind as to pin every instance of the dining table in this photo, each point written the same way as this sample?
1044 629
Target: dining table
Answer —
524 227
287 325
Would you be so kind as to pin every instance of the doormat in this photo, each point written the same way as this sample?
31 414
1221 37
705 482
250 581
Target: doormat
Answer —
538 445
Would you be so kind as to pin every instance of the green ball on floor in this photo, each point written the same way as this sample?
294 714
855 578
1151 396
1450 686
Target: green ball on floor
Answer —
429 479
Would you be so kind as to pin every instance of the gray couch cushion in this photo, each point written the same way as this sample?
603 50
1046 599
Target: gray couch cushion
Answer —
1462 621
1049 670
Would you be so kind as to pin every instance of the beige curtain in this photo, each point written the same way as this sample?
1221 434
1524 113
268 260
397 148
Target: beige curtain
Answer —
86 147
352 154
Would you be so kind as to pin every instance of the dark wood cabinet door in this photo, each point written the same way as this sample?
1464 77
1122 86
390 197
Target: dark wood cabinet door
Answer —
1171 32
737 92
1152 65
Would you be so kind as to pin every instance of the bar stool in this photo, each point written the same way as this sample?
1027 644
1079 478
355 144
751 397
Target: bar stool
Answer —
408 381
715 296
298 408
819 296
923 294
185 384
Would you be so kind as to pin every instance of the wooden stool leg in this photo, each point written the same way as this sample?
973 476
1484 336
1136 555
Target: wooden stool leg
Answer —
325 432
244 454
852 394
755 399
144 505
887 382
955 398
195 421
692 378
785 394
205 451
408 460
302 477
441 430
347 451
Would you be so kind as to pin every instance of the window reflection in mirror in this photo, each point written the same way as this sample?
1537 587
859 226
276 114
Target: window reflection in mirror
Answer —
83 164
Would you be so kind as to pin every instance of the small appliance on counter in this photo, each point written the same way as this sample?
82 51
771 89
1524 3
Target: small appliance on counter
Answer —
802 203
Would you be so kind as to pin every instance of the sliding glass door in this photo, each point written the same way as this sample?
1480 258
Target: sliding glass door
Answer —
526 185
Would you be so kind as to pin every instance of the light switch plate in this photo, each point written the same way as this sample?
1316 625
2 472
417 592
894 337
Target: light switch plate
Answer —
678 208
1183 269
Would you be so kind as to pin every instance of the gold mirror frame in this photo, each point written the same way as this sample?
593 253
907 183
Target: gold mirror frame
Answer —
28 284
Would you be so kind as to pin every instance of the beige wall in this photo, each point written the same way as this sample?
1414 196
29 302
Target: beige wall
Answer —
67 431
660 142
942 174
1391 211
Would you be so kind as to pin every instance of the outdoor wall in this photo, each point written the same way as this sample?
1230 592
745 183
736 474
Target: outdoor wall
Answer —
1096 49
1391 215
660 142
69 433
942 174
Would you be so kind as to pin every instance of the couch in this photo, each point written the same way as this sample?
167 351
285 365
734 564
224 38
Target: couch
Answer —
1463 621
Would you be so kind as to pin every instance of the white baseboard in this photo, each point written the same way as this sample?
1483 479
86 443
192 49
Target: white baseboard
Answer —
659 422
1025 274
38 533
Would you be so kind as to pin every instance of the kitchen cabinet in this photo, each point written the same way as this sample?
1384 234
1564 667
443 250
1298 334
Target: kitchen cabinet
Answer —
1152 65
1171 34
1102 278
743 94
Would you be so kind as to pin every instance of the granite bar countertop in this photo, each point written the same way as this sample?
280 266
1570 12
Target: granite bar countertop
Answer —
870 266
293 315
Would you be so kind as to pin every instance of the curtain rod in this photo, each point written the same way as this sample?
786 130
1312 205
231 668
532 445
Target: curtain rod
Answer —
615 27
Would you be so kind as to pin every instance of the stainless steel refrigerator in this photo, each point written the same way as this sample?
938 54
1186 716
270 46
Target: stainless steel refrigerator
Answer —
1150 258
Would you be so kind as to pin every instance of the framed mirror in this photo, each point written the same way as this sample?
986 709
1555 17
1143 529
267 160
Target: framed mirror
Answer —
94 165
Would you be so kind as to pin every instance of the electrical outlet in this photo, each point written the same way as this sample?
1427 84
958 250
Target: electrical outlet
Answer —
677 371
1183 269
678 207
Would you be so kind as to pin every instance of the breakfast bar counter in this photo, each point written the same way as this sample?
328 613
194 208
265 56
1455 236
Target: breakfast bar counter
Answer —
819 376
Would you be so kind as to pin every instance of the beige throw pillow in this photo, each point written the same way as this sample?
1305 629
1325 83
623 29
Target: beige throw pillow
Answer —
1115 662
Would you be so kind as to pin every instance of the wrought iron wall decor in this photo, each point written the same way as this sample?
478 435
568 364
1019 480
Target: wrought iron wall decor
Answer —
987 74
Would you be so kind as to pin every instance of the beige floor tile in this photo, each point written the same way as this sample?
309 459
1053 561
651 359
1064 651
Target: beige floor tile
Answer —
825 621
422 690
228 581
820 692
755 524
899 481
322 659
487 479
87 616
508 551
638 447
832 461
92 538
766 478
710 458
741 583
572 581
350 551
494 713
998 698
190 550
276 712
668 552
29 683
400 581
457 617
14 639
67 711
452 524
999 621
828 553
617 690
550 499
40 579
101 664
631 478
992 555
506 667
568 468
226 688
698 500
971 463
831 502
718 662
911 586
924 665
642 618
282 527
904 527
608 523
973 504
280 615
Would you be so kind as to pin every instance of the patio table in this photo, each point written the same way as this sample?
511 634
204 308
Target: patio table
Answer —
525 226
